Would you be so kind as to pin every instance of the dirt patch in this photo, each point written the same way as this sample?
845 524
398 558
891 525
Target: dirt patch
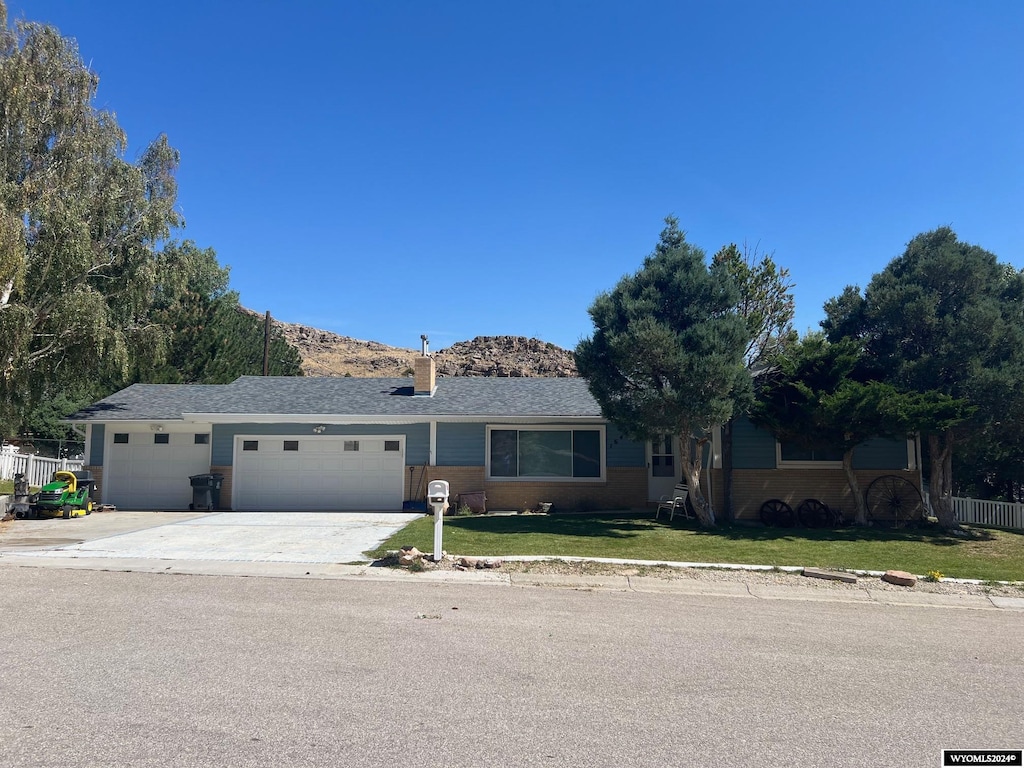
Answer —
779 578
784 578
42 542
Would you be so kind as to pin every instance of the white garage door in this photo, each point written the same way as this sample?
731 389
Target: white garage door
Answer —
319 473
151 470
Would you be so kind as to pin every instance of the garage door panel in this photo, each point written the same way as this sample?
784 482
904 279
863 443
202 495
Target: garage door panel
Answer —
321 474
142 474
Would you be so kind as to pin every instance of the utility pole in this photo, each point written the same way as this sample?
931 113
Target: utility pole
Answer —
266 345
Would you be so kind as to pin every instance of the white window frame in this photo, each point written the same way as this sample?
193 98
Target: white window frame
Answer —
780 464
602 441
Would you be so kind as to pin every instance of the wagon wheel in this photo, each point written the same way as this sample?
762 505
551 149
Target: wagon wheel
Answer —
813 513
776 512
894 501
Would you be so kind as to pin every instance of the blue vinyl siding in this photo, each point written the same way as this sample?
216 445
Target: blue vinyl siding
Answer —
461 445
881 453
417 437
624 452
752 447
95 457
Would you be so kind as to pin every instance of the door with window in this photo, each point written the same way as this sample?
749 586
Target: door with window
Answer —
662 466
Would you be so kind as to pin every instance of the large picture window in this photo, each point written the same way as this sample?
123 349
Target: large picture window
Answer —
545 453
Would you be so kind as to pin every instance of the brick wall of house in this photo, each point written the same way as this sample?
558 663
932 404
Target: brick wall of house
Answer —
752 487
97 475
625 488
717 491
225 486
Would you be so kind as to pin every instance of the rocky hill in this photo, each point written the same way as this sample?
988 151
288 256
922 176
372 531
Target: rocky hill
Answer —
328 354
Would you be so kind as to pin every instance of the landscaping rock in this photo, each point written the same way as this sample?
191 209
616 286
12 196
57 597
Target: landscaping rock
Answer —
409 555
818 573
900 578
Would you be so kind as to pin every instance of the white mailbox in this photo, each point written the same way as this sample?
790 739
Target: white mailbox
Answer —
437 495
437 498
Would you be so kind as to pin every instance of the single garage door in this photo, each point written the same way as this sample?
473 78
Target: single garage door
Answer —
150 470
319 473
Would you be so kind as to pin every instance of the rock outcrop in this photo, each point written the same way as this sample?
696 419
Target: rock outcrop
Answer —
329 354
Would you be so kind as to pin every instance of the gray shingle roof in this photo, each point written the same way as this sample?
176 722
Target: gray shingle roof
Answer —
281 395
149 401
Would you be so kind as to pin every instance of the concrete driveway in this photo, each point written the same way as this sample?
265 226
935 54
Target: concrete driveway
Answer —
266 537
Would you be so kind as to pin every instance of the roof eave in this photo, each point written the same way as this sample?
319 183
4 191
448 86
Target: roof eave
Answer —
329 418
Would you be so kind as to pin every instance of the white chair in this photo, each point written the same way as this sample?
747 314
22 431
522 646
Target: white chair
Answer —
674 504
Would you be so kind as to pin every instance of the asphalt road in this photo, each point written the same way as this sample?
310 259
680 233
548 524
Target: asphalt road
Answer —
134 669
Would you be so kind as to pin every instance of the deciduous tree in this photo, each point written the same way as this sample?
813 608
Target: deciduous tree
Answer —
80 226
766 306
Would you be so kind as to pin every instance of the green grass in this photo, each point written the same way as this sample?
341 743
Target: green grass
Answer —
989 554
6 487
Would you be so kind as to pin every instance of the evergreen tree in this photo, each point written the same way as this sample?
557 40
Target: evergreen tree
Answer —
947 317
666 356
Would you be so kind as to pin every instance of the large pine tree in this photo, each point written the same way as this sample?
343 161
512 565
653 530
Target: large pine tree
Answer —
666 356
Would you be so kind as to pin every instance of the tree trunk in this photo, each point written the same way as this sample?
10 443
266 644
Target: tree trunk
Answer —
727 470
691 465
940 480
851 480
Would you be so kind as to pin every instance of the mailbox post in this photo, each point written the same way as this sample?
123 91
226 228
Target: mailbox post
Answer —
437 497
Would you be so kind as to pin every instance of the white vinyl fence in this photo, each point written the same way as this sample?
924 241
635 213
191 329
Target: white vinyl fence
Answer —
37 469
1003 514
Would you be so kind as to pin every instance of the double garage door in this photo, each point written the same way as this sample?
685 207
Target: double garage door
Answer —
352 472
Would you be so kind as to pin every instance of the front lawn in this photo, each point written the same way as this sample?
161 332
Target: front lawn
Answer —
987 554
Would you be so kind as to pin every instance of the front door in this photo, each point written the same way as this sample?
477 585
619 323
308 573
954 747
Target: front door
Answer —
662 467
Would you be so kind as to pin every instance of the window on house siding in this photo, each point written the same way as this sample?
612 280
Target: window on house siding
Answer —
542 453
789 452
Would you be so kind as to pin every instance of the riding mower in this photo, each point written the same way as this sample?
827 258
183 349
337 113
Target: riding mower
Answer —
67 495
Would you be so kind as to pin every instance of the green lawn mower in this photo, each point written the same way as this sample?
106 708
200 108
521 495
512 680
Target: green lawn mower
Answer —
68 495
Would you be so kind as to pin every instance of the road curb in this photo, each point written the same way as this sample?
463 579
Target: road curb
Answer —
638 584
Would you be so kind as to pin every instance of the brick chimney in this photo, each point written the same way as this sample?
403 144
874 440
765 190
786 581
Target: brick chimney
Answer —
425 373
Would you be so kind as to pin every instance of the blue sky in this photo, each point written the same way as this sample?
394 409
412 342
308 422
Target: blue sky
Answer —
385 169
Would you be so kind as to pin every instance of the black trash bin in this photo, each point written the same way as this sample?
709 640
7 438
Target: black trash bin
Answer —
206 490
